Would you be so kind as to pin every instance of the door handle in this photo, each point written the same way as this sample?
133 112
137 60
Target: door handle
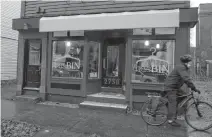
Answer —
104 63
39 68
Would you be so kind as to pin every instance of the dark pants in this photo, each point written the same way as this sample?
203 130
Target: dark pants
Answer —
172 106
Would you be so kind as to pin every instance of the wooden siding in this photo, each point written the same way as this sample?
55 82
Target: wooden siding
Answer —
204 32
9 39
205 8
56 8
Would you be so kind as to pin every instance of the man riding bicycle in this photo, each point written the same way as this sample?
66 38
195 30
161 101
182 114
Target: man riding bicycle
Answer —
174 82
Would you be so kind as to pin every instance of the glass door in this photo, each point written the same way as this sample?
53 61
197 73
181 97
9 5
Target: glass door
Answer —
112 72
32 63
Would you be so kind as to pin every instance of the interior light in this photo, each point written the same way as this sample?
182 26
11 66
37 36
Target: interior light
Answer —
146 43
68 43
158 46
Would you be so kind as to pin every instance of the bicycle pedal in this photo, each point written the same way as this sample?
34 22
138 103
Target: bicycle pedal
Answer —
151 113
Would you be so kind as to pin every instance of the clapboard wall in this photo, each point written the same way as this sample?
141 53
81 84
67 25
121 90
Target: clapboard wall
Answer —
56 8
204 35
9 39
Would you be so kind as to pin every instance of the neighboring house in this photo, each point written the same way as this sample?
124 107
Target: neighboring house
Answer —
9 39
204 38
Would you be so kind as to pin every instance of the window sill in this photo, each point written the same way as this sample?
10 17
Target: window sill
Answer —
30 88
66 80
148 86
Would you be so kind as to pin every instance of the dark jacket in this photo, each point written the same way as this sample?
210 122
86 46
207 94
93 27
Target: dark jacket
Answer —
177 78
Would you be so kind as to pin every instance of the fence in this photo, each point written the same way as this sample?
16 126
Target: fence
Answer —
8 82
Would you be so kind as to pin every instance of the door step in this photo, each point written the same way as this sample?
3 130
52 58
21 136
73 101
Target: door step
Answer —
106 101
104 106
112 90
28 98
104 97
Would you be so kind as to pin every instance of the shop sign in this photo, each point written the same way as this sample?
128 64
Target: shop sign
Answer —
142 31
164 31
69 65
74 64
60 33
77 33
151 66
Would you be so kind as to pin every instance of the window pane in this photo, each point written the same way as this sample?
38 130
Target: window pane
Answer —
152 60
112 68
94 59
67 59
34 52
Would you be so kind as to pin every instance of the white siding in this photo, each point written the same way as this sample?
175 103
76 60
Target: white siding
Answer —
9 39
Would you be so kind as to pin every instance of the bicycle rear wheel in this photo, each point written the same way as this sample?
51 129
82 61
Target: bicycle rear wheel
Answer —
199 116
155 119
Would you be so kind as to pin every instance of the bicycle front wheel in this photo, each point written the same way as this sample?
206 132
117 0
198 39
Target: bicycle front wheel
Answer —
156 118
199 116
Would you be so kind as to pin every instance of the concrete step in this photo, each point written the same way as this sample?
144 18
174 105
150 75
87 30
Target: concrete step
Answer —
107 98
104 106
28 98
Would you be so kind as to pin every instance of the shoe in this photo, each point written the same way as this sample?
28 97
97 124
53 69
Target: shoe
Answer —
174 123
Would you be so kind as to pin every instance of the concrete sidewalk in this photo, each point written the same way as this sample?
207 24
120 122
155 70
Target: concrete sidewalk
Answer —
81 122
78 122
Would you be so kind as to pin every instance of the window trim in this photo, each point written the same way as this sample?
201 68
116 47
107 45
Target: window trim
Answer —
211 37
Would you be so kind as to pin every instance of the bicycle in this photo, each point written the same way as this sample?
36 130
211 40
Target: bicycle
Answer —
159 114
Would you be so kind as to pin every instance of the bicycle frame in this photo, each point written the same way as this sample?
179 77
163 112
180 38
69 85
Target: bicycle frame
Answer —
182 103
187 99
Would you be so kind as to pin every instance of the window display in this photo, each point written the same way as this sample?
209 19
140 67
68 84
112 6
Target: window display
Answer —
94 56
152 60
67 59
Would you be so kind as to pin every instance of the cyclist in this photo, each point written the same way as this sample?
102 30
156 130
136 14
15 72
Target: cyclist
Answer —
174 82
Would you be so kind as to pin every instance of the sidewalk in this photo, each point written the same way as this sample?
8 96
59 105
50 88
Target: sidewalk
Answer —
78 122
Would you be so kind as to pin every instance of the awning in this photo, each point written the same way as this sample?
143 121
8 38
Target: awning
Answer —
107 21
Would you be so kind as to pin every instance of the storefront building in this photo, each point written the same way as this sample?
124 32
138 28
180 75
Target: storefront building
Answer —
70 50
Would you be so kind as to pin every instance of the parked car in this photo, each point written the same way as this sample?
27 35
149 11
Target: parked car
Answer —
144 78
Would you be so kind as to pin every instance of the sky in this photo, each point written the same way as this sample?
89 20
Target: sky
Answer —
195 3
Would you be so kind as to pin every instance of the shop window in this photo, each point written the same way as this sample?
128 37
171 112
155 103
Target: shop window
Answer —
67 59
153 60
94 56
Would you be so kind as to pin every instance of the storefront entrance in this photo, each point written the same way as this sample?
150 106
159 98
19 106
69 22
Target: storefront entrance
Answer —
113 62
32 63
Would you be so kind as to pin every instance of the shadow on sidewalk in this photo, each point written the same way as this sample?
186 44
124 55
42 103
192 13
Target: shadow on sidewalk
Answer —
195 133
